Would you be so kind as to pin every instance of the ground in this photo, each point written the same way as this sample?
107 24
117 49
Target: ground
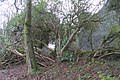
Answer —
66 71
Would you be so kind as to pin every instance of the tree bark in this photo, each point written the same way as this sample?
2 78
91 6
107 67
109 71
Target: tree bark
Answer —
30 56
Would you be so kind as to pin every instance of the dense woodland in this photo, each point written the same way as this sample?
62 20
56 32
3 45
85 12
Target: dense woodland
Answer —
86 40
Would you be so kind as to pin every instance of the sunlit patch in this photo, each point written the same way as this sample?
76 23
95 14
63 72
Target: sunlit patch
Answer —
52 46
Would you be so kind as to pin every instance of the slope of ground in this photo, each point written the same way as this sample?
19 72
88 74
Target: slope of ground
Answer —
66 71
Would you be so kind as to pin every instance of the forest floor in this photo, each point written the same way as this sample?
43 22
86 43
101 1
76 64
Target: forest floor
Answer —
66 71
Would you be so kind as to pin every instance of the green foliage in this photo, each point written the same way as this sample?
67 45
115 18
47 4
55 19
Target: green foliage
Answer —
36 71
68 56
114 5
114 29
41 23
21 50
41 5
112 36
90 24
87 75
64 41
15 19
77 78
4 42
102 76
117 42
12 25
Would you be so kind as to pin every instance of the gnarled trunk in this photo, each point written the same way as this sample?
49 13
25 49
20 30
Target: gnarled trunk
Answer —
30 56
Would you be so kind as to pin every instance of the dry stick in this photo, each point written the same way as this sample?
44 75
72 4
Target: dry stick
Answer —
16 52
88 56
46 57
43 56
41 63
108 54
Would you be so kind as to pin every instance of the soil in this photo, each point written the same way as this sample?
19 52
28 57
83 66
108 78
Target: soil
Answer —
64 71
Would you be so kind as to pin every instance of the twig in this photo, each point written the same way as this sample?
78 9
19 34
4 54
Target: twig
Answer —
42 64
43 56
16 52
108 54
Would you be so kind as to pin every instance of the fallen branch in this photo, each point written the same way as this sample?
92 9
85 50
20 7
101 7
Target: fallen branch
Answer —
16 52
42 64
47 58
114 53
43 56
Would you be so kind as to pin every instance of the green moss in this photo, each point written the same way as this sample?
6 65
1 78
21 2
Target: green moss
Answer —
35 69
21 50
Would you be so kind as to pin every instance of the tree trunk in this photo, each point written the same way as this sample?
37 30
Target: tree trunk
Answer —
30 56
